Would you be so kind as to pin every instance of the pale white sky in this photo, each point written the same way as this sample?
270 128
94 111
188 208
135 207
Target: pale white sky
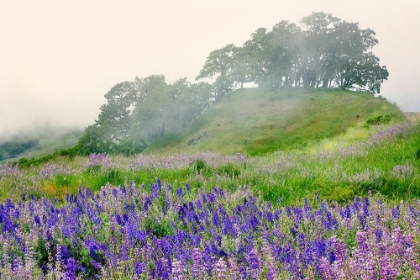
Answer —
59 57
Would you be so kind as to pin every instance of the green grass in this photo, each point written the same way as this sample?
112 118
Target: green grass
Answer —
255 122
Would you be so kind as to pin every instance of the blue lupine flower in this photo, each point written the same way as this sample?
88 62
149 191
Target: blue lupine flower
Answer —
395 212
215 219
179 192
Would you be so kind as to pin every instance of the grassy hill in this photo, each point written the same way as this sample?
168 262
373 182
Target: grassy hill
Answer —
256 122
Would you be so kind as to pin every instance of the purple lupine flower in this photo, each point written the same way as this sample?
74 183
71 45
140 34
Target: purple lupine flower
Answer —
362 220
387 271
269 217
347 212
125 217
155 188
197 263
378 234
298 215
365 208
307 207
395 212
179 192
88 192
139 268
361 240
198 204
254 263
119 220
215 219
288 211
177 270
272 271
356 205
233 269
168 201
324 268
71 269
277 214
115 192
220 269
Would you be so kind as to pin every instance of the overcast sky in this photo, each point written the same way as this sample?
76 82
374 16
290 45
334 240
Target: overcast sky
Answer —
58 58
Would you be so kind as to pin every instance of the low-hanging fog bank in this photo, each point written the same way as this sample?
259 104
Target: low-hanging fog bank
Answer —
59 59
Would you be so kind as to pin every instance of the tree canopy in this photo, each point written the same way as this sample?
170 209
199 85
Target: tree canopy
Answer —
322 51
139 112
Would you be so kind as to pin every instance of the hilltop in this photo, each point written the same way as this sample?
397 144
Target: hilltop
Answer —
254 122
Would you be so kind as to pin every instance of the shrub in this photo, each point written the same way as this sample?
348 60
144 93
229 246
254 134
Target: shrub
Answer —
382 119
200 166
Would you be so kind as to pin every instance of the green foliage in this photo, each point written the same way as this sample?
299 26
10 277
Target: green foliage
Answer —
229 170
382 119
331 191
69 153
140 112
200 166
159 229
323 51
226 64
63 180
41 251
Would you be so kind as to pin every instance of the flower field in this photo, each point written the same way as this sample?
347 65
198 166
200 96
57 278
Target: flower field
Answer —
347 209
161 233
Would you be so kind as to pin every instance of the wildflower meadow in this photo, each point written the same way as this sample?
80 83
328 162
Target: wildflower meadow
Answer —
346 209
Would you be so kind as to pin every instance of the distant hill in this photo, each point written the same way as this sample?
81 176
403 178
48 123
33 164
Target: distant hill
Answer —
412 116
254 122
37 142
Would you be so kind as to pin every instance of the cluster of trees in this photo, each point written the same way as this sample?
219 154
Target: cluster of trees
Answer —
15 148
139 112
323 51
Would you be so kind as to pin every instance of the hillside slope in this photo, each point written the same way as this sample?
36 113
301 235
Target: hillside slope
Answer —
412 117
253 122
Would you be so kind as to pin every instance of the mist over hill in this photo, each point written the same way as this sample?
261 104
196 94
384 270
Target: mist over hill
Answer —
37 141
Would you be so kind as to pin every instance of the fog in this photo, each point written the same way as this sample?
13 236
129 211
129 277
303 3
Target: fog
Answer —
59 58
